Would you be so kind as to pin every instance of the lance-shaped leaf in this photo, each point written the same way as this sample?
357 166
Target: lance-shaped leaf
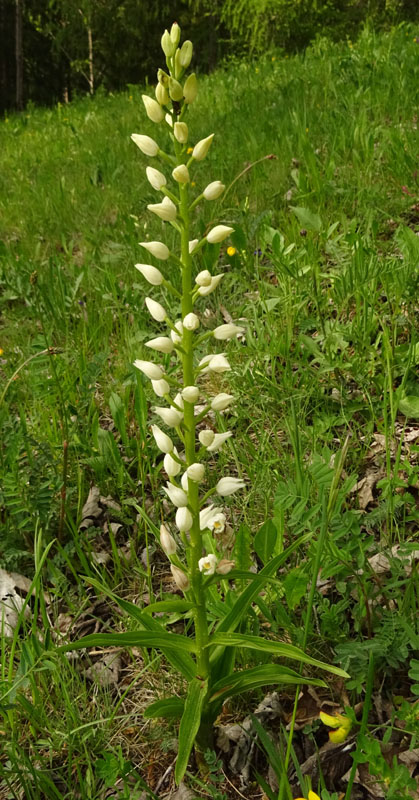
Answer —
168 708
241 606
178 659
177 605
269 646
189 724
165 641
265 675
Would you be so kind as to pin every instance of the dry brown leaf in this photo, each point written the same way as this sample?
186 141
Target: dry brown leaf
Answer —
106 670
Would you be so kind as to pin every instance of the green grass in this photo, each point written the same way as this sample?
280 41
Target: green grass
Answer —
329 298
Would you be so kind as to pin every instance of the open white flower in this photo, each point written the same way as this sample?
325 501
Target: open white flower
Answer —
207 564
207 514
217 522
203 291
217 364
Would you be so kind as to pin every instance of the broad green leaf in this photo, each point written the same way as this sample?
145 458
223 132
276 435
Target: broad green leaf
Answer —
295 585
179 660
169 708
169 605
247 596
308 218
265 541
269 646
165 641
265 675
409 406
189 724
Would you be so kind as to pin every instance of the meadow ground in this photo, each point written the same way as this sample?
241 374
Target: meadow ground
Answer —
319 156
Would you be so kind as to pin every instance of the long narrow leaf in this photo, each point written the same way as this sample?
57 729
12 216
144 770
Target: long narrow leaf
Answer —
165 641
265 675
189 724
232 619
168 708
269 646
182 662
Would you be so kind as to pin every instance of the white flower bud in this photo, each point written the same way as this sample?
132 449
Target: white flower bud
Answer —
157 249
206 437
196 472
207 564
162 95
219 440
171 466
184 520
203 278
181 174
190 394
151 274
154 111
181 580
185 56
229 485
225 566
215 280
152 371
221 401
184 482
169 120
178 497
170 416
190 88
175 90
192 244
161 388
167 45
177 337
224 332
156 309
178 399
166 210
146 144
191 322
217 364
180 130
201 149
219 233
167 541
175 34
163 441
162 344
163 78
213 190
156 178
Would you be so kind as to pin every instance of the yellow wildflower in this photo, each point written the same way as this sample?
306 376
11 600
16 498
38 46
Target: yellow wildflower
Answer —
311 796
231 251
340 723
1 351
189 150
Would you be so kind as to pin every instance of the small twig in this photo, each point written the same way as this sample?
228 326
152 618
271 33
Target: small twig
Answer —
270 157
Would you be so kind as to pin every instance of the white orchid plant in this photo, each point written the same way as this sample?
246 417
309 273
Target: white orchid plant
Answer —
206 654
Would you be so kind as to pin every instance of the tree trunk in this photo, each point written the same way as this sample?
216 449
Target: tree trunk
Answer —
91 74
19 54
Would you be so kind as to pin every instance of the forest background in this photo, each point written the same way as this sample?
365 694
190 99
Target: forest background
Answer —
54 50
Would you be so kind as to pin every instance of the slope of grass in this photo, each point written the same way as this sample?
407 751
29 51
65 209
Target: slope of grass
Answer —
319 156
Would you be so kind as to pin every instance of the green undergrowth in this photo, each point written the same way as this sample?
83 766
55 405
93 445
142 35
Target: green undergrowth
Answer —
319 154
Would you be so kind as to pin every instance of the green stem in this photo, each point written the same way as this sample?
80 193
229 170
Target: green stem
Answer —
201 625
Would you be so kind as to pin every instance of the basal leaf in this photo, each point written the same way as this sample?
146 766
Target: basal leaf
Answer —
265 675
168 708
189 724
165 641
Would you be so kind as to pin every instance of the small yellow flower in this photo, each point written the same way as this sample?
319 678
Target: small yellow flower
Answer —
273 58
231 251
1 351
256 69
306 130
340 724
189 150
311 796
193 183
